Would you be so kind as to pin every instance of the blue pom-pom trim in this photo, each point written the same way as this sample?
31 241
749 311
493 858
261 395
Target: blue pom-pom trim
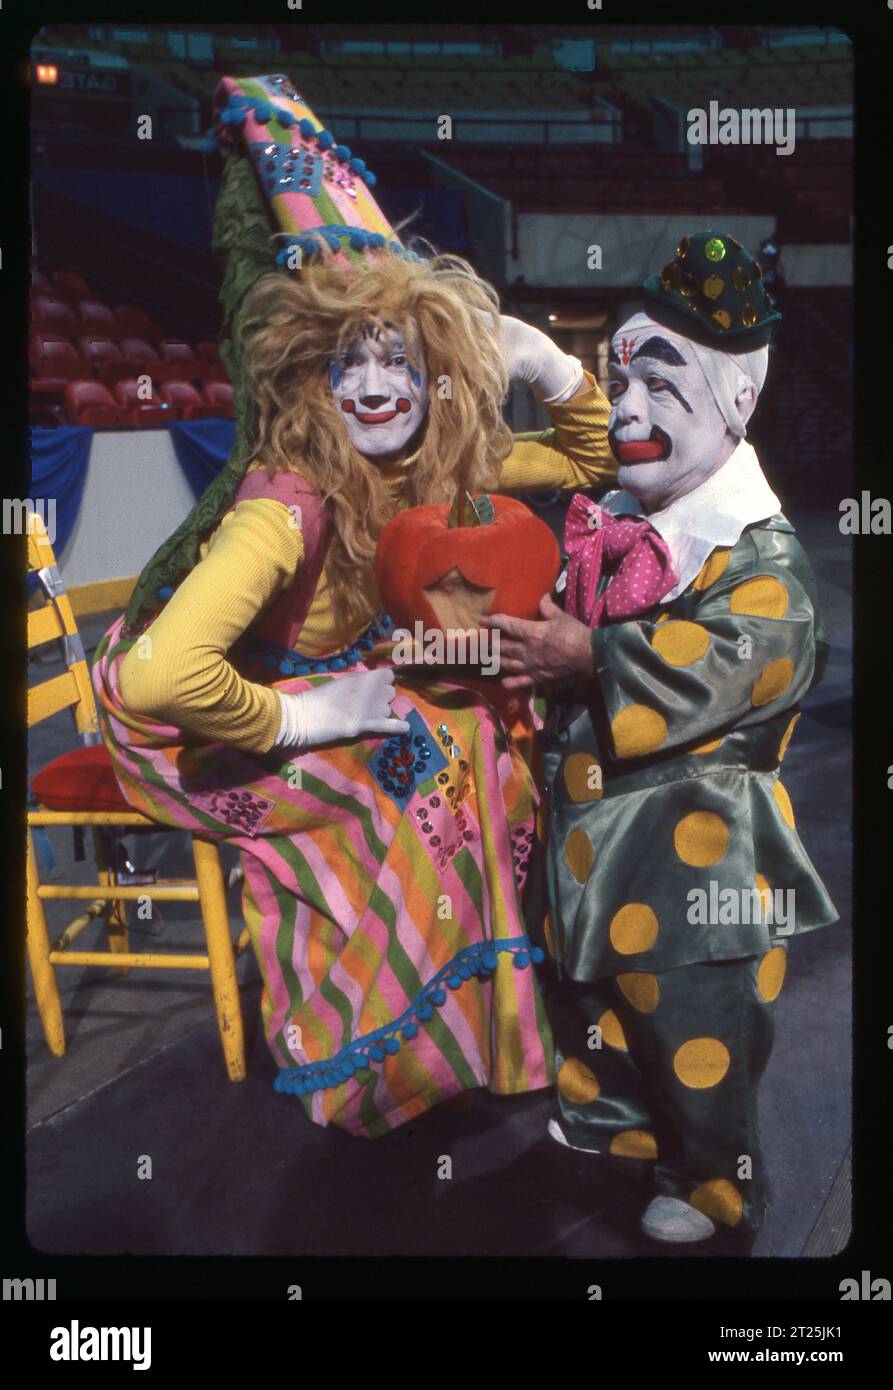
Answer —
481 959
290 662
357 238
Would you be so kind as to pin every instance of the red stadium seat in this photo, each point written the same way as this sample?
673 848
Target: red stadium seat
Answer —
71 285
140 411
187 401
97 318
91 403
50 314
97 350
134 322
208 352
219 394
54 358
39 282
138 358
138 350
177 354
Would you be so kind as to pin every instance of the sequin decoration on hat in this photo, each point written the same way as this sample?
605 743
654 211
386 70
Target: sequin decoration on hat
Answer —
318 190
713 292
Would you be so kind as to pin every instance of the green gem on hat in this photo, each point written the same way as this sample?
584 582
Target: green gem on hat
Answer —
713 292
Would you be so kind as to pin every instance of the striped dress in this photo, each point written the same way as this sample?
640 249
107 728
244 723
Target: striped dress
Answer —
382 876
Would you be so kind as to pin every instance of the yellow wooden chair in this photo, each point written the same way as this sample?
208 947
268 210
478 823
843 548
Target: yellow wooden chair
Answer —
82 787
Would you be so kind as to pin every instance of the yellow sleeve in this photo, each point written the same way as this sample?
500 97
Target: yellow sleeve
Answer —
185 678
573 453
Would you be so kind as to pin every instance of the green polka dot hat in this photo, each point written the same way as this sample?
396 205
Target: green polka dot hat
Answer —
713 291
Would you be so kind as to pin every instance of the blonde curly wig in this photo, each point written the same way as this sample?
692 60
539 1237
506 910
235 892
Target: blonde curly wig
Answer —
292 328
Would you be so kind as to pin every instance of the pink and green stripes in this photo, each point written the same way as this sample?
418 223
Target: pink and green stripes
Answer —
383 909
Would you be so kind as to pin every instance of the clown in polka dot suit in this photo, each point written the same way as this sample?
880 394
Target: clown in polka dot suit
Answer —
672 875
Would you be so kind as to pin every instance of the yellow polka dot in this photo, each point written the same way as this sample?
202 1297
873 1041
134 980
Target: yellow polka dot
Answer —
763 597
681 643
714 568
612 1032
770 974
640 989
772 681
577 1083
710 747
784 804
701 1062
638 730
720 1200
634 1143
765 892
579 854
634 928
549 934
701 839
583 777
786 738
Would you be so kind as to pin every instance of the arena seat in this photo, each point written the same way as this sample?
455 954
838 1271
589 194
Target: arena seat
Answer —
96 317
91 403
70 285
134 322
54 358
219 394
208 352
97 350
137 349
143 412
50 314
187 401
178 354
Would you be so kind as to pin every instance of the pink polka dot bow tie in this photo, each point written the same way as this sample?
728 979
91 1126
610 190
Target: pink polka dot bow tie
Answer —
628 549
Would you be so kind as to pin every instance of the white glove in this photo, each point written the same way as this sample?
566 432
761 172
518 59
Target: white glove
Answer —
531 356
340 709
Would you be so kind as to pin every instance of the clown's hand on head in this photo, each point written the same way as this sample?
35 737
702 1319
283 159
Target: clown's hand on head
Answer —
531 356
339 710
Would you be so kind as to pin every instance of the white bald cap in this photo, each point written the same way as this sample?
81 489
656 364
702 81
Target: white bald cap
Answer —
727 373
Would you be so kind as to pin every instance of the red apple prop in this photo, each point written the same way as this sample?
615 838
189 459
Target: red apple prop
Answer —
446 566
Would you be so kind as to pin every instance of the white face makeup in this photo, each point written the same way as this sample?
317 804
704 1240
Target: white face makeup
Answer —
666 429
382 391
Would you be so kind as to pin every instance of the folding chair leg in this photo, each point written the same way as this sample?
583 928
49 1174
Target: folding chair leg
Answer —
212 898
116 912
42 972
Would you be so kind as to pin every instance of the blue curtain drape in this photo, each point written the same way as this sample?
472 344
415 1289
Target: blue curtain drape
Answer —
59 459
202 448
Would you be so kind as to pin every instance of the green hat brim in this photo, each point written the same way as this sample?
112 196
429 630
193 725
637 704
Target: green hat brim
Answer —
693 326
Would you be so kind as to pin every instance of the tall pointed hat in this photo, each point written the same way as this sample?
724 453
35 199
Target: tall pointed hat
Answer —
289 191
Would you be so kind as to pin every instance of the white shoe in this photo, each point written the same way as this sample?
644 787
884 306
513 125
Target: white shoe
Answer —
557 1133
667 1218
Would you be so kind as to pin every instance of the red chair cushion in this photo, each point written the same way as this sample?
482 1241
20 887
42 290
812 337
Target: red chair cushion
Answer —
82 780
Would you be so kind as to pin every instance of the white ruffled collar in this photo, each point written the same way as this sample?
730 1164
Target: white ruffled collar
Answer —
714 513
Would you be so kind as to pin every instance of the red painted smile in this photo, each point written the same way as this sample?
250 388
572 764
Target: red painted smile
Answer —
658 446
380 419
